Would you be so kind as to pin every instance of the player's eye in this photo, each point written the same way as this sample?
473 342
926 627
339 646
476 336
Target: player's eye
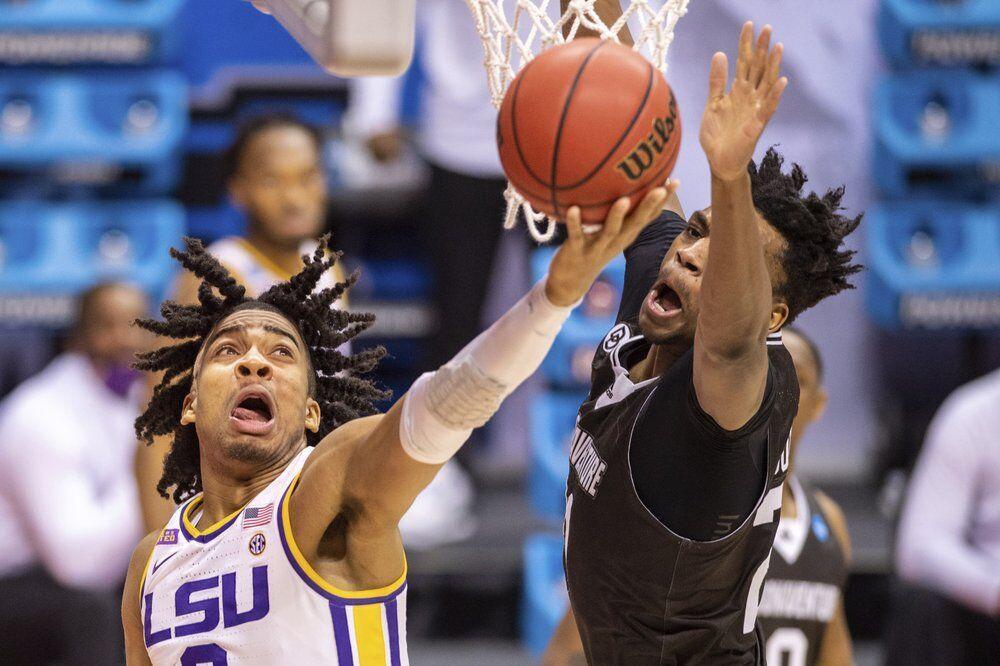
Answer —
283 351
226 350
693 232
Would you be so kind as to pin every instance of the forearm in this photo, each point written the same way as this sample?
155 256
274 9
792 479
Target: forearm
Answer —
443 407
736 287
945 563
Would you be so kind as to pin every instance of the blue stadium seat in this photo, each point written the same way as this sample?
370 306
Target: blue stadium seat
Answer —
551 422
936 134
121 131
83 32
934 265
64 248
545 598
934 33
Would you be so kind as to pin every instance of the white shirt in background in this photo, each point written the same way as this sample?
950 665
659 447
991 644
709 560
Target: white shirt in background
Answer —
68 497
949 536
457 122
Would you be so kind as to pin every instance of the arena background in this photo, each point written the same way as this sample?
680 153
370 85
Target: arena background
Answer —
113 118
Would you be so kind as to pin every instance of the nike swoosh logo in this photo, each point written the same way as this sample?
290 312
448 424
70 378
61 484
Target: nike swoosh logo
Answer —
161 563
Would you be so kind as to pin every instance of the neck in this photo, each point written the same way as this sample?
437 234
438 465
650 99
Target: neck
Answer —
286 256
228 486
658 360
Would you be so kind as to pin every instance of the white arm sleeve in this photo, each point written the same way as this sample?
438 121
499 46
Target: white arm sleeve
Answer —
443 407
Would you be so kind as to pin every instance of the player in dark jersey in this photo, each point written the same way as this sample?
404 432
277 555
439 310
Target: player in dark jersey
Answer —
801 613
680 451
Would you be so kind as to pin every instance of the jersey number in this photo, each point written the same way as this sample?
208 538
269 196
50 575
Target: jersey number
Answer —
209 653
765 514
787 646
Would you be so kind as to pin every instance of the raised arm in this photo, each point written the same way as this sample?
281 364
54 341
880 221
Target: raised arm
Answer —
730 356
391 459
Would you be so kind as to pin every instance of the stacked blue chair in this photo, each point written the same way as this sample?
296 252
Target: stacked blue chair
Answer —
933 241
552 420
92 123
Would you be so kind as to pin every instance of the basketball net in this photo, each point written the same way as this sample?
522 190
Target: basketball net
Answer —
515 31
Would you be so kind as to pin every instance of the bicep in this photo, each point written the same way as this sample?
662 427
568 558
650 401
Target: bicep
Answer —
135 647
730 389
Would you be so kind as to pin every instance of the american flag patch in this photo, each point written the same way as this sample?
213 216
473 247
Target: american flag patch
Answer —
255 516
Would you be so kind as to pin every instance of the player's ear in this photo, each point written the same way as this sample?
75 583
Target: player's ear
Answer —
313 415
779 315
188 408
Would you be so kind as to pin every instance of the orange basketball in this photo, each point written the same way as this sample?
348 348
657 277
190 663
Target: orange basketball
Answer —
586 123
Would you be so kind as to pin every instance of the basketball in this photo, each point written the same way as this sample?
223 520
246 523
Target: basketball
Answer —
586 123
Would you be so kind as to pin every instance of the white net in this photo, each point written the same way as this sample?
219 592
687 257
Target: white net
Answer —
515 31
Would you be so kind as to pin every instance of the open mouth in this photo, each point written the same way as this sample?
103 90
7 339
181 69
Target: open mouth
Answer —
253 414
663 301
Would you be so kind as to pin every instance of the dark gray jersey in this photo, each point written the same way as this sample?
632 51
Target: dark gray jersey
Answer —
640 593
803 584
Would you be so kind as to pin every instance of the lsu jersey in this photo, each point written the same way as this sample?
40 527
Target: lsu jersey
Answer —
257 272
241 592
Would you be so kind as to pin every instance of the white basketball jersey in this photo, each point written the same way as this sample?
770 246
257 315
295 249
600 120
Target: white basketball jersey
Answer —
256 272
240 592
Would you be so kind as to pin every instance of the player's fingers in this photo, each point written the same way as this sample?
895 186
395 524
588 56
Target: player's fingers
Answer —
717 74
759 63
647 211
770 104
773 65
616 218
261 6
745 51
574 227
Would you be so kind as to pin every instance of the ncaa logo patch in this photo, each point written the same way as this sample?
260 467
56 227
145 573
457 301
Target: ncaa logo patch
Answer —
257 544
618 335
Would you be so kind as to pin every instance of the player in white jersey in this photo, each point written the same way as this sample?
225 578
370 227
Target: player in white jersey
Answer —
275 176
286 549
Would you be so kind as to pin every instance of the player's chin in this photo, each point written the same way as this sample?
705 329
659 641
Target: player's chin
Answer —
660 330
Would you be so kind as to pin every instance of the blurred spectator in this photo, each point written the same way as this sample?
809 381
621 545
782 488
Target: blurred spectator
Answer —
275 175
69 511
947 609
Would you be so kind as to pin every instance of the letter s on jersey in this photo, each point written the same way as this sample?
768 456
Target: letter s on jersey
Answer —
208 610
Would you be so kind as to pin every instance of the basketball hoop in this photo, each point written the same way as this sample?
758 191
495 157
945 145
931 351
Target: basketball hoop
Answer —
350 37
515 31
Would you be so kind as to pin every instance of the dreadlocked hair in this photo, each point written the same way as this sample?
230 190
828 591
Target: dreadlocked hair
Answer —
335 382
814 261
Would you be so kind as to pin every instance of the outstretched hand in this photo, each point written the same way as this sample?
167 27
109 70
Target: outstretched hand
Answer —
733 121
582 257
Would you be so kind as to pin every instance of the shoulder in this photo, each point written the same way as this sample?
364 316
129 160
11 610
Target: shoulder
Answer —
838 523
137 564
344 441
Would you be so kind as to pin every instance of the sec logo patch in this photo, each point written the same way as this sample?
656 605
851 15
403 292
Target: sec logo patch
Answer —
257 544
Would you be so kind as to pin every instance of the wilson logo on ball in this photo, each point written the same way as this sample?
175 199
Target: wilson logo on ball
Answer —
642 157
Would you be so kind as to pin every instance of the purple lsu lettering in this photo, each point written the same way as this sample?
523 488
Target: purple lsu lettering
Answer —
210 608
